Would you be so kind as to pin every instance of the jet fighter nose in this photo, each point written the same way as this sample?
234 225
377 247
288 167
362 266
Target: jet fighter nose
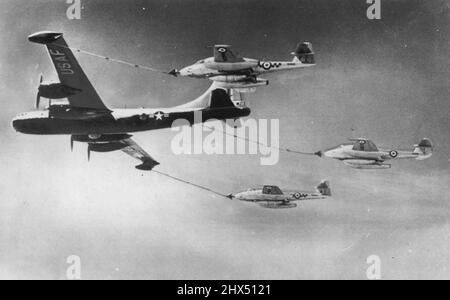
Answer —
174 72
185 72
231 196
329 153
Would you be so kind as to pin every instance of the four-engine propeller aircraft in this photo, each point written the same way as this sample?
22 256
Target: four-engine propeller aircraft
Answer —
274 198
88 120
236 72
364 154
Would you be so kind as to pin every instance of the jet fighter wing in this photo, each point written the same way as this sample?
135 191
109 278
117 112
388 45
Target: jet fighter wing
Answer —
224 54
134 150
70 73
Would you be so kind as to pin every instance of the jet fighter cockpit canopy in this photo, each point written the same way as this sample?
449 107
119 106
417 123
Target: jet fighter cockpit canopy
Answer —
272 190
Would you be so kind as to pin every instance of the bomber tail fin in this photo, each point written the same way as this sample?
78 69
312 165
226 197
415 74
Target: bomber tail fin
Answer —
324 188
304 53
220 99
424 149
216 97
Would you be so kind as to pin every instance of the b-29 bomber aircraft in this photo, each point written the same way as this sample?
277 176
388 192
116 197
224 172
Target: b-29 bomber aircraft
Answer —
236 72
273 197
364 154
87 119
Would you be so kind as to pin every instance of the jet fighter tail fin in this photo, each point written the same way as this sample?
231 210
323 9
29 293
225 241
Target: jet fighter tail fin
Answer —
304 53
424 149
324 188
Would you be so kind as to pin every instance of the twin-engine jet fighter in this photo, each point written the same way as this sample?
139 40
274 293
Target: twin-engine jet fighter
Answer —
364 154
236 72
88 120
274 198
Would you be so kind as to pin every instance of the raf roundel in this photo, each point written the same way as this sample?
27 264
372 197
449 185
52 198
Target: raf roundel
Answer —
267 65
297 195
393 154
222 50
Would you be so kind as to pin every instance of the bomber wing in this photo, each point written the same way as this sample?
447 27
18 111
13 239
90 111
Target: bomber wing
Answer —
116 142
134 150
70 73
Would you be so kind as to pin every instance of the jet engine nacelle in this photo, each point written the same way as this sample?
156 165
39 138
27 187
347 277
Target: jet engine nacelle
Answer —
230 67
248 84
231 78
366 164
278 206
56 91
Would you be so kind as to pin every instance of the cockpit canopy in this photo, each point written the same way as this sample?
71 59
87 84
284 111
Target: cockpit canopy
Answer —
272 190
365 145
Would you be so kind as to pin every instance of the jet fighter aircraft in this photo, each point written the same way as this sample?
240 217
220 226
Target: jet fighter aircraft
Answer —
364 154
274 198
87 119
236 72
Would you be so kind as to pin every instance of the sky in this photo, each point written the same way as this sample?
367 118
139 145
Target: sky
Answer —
386 80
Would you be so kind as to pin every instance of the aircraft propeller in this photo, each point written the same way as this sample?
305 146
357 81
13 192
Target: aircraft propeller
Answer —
38 97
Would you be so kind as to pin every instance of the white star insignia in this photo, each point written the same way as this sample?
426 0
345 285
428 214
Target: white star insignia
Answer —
159 116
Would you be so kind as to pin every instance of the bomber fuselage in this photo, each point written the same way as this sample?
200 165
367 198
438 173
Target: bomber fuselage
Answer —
63 119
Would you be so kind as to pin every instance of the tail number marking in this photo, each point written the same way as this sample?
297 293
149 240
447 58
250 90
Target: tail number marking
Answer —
61 62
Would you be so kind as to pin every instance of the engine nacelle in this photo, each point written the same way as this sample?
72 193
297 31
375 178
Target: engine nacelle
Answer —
106 147
100 139
242 84
56 91
278 205
366 164
230 67
230 78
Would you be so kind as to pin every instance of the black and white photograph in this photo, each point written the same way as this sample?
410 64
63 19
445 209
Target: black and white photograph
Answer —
214 141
